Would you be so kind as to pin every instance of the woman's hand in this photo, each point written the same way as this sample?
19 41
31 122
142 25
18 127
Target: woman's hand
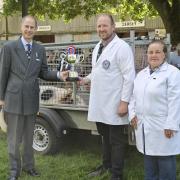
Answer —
134 122
168 133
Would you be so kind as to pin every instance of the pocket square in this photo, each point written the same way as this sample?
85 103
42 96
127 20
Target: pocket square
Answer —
37 57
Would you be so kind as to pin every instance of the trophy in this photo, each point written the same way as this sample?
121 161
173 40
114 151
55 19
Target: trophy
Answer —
63 64
72 59
69 62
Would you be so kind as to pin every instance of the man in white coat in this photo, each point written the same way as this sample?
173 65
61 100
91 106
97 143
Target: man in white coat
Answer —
111 79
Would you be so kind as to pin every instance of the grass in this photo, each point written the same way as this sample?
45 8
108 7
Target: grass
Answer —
79 155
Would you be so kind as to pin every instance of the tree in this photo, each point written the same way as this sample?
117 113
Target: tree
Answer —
168 10
24 6
170 14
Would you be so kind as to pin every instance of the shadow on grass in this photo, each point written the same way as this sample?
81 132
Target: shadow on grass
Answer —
80 140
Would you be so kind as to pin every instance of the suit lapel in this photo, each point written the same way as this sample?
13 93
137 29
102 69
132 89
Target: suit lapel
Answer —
21 53
34 53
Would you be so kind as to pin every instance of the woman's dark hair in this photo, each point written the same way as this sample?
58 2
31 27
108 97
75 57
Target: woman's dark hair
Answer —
159 42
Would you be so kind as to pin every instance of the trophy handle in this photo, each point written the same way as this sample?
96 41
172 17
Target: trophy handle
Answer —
80 58
62 62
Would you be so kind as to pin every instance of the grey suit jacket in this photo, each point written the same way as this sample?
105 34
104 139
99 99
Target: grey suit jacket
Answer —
19 86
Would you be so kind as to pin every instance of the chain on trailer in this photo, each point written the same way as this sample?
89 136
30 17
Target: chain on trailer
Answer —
69 94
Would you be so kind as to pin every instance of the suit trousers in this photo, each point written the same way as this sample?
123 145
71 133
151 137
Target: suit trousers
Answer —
114 142
160 167
20 130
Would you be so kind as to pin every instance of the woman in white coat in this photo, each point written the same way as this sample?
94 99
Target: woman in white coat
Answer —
154 112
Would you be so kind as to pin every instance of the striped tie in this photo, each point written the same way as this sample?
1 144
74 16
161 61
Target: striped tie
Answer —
99 51
151 71
28 51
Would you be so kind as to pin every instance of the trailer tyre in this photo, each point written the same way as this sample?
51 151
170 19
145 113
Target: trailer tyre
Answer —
45 140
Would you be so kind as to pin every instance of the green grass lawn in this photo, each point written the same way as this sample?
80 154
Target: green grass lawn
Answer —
79 154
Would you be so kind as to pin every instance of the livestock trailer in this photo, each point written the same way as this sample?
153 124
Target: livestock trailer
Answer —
64 105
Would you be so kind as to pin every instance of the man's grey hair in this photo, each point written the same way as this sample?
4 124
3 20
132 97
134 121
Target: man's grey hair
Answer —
29 16
109 16
178 49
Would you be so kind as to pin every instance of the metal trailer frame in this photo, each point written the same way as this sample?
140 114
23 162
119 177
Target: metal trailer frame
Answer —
56 119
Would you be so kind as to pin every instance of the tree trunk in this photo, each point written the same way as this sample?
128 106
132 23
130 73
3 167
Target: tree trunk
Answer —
173 27
25 7
170 16
7 30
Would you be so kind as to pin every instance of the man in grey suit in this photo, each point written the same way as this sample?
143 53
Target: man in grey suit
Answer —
22 62
175 57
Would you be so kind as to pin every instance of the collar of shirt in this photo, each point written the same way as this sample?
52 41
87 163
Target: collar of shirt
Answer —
106 42
25 42
157 68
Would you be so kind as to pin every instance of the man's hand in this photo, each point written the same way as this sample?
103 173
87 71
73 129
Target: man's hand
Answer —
64 75
123 108
134 122
1 103
168 133
83 81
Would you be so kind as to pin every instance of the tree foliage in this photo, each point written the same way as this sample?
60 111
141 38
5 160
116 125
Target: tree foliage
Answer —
68 9
134 9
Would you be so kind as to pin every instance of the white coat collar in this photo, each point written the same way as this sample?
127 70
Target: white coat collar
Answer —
106 48
163 67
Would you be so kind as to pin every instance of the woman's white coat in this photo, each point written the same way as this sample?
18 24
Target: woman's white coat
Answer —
156 103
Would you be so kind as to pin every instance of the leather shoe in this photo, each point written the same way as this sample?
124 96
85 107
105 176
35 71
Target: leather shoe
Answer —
116 177
100 170
13 178
32 172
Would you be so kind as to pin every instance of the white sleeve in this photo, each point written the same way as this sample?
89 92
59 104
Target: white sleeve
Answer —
131 108
126 64
173 95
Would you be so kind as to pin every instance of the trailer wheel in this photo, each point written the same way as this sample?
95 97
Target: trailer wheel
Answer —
45 140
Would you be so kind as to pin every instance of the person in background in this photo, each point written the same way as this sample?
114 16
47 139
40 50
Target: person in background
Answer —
154 114
22 62
111 80
175 57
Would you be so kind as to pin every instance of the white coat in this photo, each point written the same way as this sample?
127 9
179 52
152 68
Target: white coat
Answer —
156 103
112 79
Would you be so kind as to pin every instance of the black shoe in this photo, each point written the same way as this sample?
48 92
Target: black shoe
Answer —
31 172
98 171
13 178
116 177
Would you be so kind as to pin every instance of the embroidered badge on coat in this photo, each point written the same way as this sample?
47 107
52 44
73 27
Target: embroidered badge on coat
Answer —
106 64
